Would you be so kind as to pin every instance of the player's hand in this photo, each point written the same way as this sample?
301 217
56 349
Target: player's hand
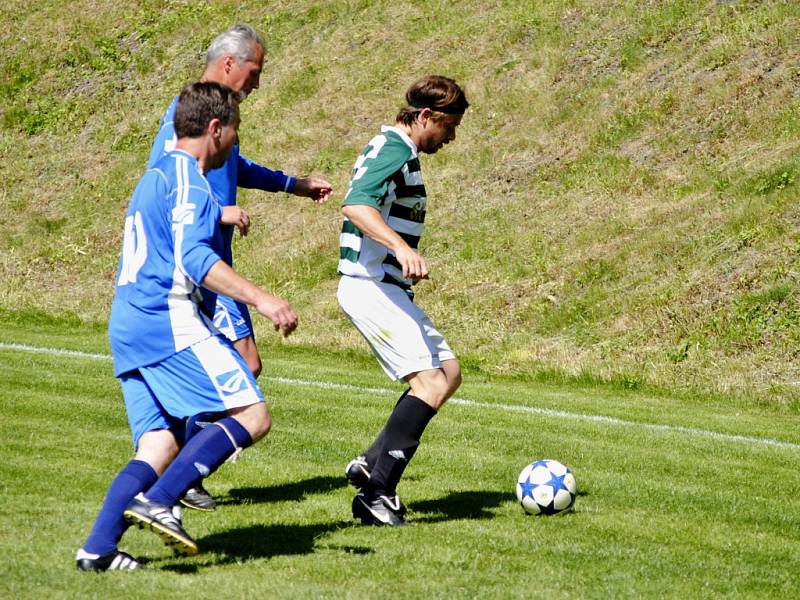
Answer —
279 312
414 266
234 215
315 188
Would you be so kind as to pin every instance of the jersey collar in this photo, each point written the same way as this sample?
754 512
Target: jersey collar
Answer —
402 135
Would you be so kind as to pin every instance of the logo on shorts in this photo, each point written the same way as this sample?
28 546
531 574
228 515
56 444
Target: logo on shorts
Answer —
232 382
222 319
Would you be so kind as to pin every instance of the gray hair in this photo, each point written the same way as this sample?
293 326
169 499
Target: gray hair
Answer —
239 41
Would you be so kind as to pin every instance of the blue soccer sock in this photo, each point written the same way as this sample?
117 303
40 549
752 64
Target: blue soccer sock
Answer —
194 425
137 476
201 456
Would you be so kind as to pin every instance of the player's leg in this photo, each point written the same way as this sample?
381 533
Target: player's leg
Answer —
436 386
233 320
431 388
358 470
197 497
408 347
249 351
210 376
155 447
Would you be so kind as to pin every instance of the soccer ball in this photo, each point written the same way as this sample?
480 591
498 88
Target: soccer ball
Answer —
546 487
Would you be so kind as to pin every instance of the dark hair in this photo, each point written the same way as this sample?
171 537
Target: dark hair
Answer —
441 94
201 102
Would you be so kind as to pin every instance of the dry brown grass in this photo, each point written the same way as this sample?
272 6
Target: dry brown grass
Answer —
611 199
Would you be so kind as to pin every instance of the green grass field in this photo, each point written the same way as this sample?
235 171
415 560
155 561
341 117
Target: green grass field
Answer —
683 498
615 254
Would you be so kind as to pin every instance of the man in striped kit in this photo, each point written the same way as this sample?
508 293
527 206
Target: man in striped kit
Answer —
384 212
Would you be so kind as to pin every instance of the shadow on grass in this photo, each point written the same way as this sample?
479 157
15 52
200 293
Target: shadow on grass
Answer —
458 505
263 541
296 490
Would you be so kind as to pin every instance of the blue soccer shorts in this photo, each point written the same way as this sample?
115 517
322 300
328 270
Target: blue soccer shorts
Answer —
209 376
232 319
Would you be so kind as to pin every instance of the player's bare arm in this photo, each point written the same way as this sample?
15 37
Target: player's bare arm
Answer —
315 188
234 215
222 279
370 223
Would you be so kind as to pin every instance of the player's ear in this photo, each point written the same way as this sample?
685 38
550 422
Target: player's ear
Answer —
214 128
424 115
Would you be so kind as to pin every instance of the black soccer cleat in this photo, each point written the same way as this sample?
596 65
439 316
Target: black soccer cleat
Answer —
162 521
198 498
357 471
113 561
379 510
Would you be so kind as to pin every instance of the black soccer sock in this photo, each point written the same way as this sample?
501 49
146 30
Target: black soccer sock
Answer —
371 454
402 433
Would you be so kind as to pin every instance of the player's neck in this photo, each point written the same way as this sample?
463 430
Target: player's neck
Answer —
412 131
195 147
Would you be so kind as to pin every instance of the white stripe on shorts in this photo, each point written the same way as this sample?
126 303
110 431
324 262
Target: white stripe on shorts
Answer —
230 379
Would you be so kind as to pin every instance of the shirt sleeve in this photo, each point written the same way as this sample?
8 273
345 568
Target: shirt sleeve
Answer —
373 172
252 175
165 138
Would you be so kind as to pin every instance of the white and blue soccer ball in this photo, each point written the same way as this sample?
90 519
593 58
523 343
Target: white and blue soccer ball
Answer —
546 487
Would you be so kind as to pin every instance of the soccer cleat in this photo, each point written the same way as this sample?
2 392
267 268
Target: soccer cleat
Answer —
113 561
163 521
198 498
357 471
378 510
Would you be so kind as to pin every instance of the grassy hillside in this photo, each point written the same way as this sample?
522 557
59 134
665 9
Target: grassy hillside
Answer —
620 203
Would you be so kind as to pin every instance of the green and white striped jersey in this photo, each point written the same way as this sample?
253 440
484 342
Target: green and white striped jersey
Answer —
387 177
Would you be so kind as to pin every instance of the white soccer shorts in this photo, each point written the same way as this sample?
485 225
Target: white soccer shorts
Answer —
402 337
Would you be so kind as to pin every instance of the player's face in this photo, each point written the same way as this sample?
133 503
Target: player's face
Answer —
439 132
244 76
229 134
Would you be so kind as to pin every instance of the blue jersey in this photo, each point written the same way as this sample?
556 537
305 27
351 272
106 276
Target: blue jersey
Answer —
238 171
172 238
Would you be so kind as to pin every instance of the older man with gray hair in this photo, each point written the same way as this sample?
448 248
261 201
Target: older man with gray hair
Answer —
235 58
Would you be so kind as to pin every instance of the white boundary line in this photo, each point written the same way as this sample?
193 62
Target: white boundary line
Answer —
549 412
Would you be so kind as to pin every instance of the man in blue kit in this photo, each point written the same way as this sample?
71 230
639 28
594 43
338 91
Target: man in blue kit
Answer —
170 359
235 58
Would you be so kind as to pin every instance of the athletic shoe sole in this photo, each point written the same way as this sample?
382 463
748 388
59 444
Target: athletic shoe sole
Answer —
179 543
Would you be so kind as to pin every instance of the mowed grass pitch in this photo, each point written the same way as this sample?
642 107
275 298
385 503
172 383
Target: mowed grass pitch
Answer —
660 513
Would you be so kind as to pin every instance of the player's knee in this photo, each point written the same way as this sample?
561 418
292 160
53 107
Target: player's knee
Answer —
255 419
261 428
158 448
434 389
